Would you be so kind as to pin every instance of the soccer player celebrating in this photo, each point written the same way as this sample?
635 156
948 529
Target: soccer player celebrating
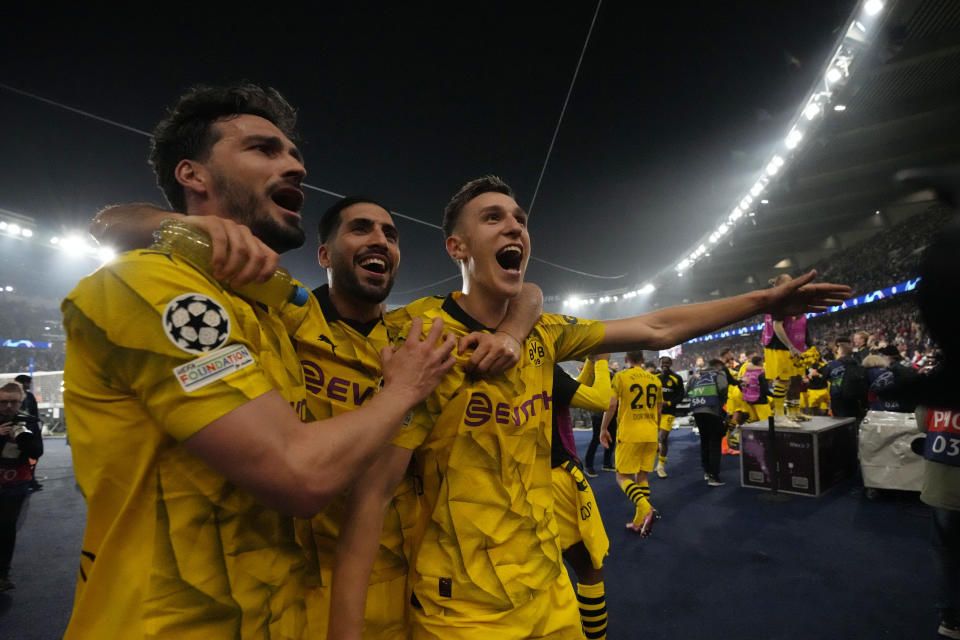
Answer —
486 561
190 449
637 396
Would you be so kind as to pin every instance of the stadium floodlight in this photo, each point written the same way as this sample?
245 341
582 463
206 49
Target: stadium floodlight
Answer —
793 138
616 299
27 233
736 214
764 201
839 107
648 288
811 111
683 265
54 240
3 225
746 202
756 189
772 169
872 7
834 75
106 254
714 237
723 228
13 229
8 289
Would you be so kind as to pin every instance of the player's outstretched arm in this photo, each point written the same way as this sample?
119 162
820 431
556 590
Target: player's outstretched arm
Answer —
238 256
359 538
672 326
493 354
296 467
595 395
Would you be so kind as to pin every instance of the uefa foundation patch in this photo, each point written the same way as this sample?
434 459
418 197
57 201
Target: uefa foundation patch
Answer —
196 323
213 366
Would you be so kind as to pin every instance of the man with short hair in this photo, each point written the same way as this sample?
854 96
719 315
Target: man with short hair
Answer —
188 513
636 400
486 561
848 391
30 407
673 394
708 394
18 443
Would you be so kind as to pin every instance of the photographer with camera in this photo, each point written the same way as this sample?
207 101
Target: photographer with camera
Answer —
18 443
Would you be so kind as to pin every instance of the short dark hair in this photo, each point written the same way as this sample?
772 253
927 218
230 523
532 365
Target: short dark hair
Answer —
330 220
756 361
636 357
24 379
716 362
667 358
466 193
187 132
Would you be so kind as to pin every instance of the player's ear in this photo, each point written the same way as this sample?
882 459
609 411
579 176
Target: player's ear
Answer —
456 247
193 176
323 256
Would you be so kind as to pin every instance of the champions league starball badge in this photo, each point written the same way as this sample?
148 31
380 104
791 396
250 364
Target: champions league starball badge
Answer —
196 323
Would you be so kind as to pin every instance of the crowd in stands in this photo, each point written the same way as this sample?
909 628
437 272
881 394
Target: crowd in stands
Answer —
36 321
888 257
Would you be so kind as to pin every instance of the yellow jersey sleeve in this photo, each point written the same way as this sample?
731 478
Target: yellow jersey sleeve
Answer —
571 338
184 355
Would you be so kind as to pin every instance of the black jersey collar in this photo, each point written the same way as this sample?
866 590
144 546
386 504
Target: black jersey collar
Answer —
331 314
453 308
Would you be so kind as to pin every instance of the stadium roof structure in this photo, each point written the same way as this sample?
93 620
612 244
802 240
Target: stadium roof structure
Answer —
898 108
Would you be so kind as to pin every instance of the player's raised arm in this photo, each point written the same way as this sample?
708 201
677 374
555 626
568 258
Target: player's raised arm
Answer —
297 467
238 257
672 326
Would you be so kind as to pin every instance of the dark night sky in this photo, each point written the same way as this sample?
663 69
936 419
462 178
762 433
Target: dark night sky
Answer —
674 111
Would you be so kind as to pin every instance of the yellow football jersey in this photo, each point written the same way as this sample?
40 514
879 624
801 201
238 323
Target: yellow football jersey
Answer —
489 542
156 350
639 393
341 364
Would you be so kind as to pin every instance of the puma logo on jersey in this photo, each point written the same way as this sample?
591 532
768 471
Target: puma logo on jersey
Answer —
323 338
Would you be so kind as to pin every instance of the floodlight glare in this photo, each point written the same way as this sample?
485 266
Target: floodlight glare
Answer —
106 254
54 240
735 214
756 189
648 288
793 138
873 7
3 225
615 298
764 201
13 229
723 229
834 75
8 289
839 107
27 233
812 110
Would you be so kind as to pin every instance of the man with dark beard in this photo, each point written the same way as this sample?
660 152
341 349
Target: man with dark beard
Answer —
192 457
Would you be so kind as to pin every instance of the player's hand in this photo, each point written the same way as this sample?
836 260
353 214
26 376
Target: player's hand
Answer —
417 367
239 257
6 428
605 438
492 353
800 295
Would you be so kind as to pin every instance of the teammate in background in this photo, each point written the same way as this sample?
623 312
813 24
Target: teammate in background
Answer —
188 514
818 392
755 390
783 338
637 396
582 537
731 439
708 394
487 562
673 395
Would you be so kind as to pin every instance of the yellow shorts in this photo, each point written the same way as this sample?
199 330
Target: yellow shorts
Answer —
385 615
553 613
735 401
632 457
577 514
757 412
818 398
666 421
779 364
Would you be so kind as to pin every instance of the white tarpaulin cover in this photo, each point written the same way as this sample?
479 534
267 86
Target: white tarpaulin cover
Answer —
886 459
